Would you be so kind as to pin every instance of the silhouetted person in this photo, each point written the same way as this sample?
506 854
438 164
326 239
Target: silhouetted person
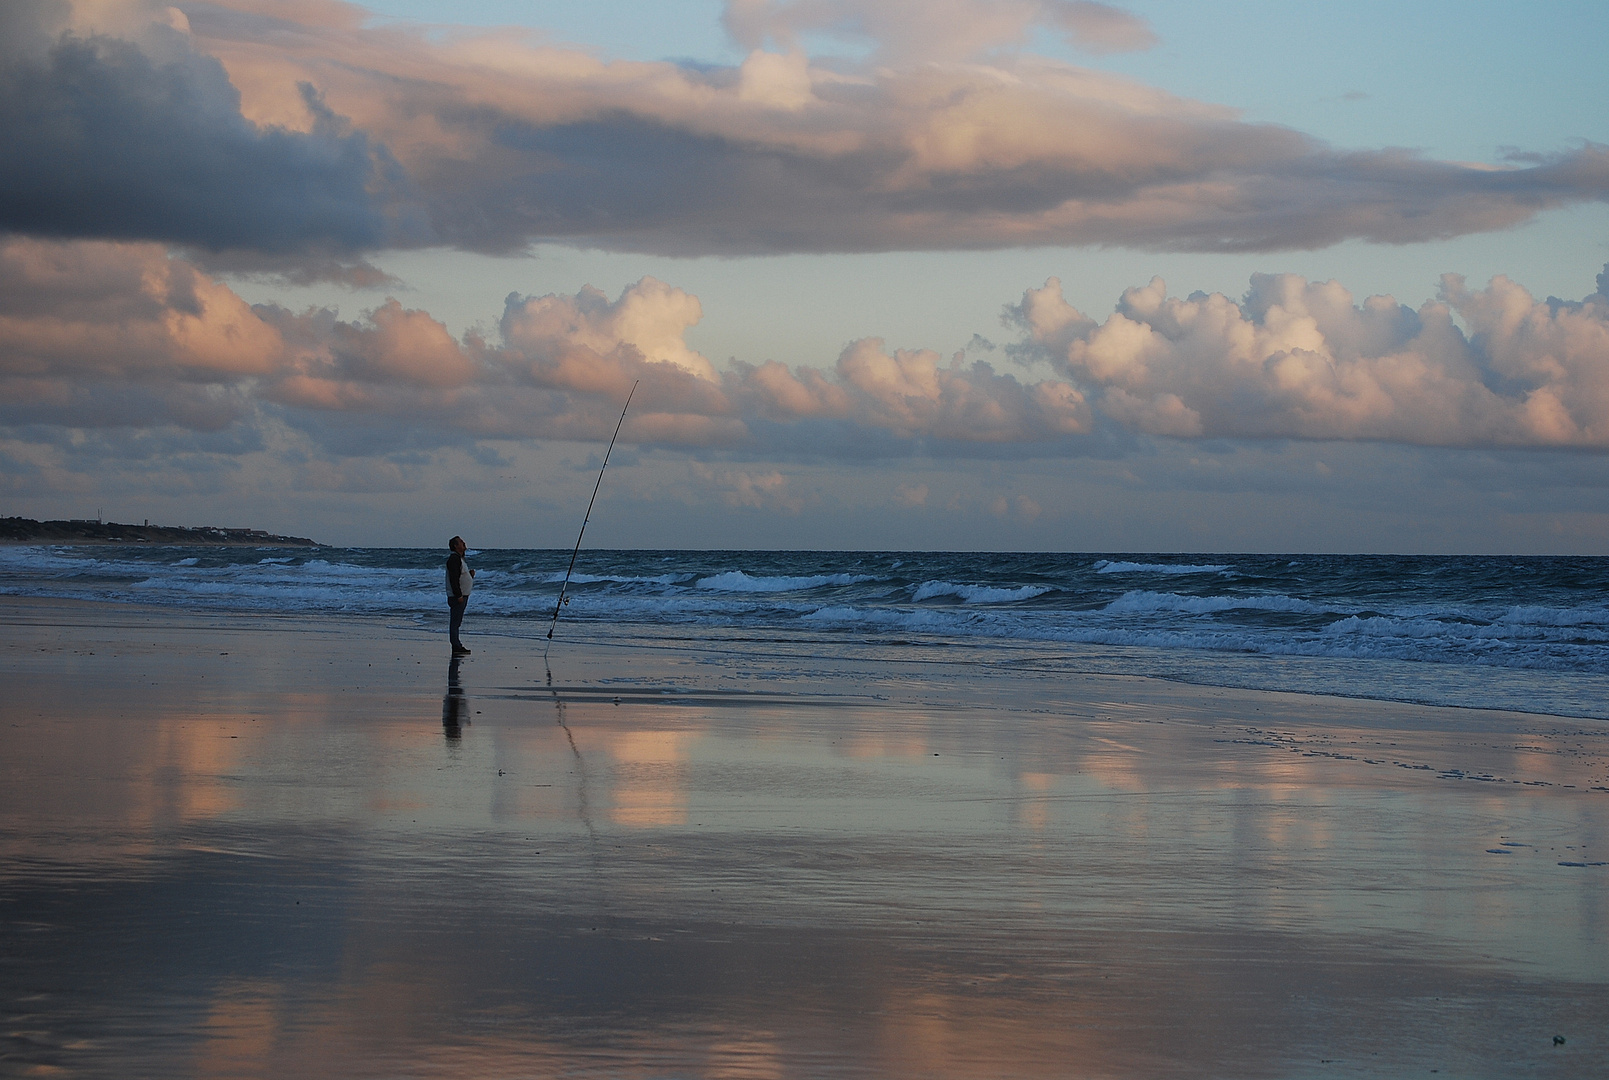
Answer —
455 706
460 579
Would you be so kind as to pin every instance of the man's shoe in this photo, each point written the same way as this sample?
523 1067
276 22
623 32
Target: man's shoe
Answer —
459 650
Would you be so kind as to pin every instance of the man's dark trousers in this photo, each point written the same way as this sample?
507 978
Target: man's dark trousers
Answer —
455 618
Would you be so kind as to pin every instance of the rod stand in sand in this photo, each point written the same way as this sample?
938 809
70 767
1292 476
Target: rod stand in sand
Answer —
558 607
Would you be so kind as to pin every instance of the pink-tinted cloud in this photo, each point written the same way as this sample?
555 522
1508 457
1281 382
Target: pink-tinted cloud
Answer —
914 392
331 136
925 30
99 308
94 334
84 324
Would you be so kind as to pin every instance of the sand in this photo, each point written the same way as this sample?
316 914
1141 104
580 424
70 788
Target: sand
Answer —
258 846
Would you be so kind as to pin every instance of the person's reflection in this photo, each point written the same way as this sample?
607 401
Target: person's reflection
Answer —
455 706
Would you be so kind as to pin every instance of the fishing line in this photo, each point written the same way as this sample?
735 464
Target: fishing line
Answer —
583 810
560 605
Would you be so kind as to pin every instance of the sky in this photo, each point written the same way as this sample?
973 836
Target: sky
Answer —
885 274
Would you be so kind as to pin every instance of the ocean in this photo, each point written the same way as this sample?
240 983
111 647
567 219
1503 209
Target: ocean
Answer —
1501 632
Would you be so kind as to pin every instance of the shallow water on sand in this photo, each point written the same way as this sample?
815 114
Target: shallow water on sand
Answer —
251 847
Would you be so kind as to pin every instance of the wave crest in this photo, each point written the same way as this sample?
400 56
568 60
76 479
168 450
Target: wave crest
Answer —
1108 566
977 594
738 581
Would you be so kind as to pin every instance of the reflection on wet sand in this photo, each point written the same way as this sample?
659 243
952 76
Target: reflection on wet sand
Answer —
211 877
455 703
650 777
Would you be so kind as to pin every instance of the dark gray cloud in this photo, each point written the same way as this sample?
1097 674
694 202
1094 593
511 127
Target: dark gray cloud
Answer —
123 404
100 140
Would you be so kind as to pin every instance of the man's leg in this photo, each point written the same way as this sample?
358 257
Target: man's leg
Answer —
455 619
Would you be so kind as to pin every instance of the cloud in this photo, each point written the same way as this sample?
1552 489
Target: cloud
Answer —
913 392
754 490
1300 359
357 476
1019 506
911 495
94 334
97 334
127 336
647 324
506 142
103 140
917 30
330 137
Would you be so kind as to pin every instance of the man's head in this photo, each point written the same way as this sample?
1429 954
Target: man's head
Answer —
456 545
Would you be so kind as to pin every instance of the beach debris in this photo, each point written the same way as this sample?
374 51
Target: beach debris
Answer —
1558 1040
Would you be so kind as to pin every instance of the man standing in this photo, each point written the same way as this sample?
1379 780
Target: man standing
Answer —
460 579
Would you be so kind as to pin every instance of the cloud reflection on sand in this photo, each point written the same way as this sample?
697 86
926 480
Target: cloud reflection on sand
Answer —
649 777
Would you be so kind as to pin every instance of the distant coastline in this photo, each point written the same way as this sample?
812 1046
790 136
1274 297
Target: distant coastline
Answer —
17 530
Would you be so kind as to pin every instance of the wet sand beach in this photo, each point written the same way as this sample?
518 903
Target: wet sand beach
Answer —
265 846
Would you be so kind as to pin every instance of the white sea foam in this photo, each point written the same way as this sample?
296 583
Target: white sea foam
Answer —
1144 601
1107 566
977 594
619 579
738 581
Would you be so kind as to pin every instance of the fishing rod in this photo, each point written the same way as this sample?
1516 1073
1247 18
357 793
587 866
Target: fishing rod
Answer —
560 605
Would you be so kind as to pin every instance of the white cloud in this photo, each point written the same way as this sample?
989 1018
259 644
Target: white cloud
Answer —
913 392
1300 359
648 322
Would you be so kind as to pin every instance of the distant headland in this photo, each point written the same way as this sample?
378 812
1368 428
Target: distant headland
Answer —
17 530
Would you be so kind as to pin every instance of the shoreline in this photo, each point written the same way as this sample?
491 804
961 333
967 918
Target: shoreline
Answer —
989 658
